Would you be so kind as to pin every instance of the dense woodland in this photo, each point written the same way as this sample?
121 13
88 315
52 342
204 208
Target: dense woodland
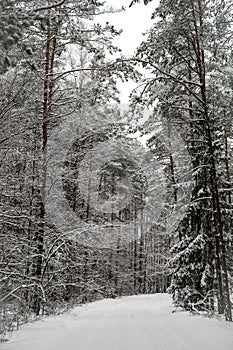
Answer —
58 63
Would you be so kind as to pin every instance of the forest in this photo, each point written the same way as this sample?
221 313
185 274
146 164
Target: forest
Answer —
98 201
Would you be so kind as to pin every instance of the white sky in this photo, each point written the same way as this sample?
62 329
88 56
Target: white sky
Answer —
134 21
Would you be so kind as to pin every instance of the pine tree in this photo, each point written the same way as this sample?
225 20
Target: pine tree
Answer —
40 91
182 63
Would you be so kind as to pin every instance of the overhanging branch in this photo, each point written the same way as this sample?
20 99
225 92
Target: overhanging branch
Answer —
57 4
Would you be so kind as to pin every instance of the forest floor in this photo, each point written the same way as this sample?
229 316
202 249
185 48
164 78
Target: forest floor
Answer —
143 322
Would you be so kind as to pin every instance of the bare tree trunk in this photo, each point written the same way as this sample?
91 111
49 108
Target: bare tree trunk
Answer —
227 157
47 105
89 180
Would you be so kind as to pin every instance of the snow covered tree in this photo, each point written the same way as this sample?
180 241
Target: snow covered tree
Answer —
182 51
40 90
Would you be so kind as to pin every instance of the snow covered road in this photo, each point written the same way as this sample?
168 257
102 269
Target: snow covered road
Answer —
142 322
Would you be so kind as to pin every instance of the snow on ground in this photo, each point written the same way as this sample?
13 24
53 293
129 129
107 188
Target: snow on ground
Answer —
144 322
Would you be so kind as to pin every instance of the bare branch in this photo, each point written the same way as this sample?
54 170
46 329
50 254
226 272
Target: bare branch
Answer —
184 83
50 7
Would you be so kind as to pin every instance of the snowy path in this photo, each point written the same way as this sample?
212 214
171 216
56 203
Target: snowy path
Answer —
133 323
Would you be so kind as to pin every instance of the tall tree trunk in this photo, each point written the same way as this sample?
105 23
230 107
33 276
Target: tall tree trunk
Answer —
50 50
88 213
224 302
227 157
